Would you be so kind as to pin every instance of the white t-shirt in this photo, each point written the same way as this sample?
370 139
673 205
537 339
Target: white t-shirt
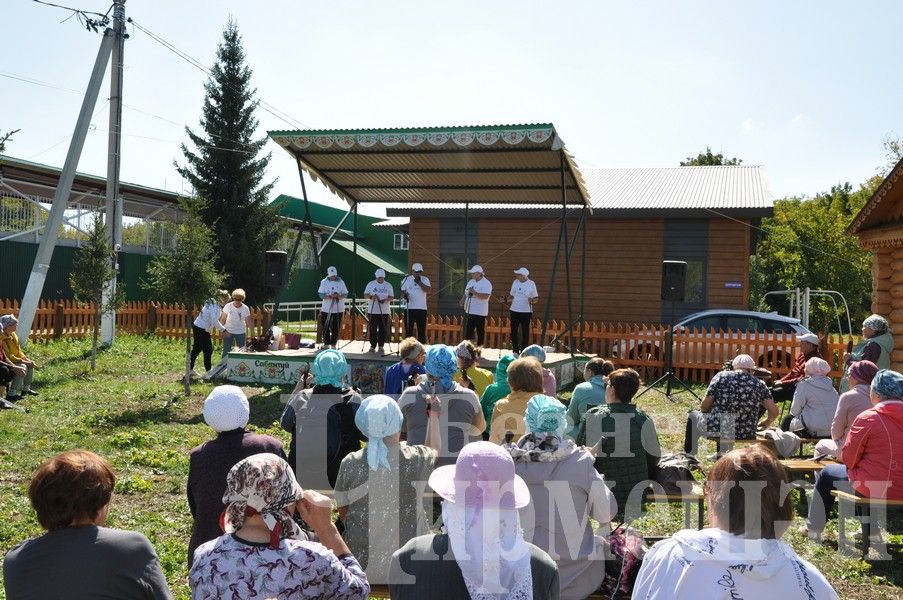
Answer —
235 318
522 292
416 294
384 291
474 305
329 287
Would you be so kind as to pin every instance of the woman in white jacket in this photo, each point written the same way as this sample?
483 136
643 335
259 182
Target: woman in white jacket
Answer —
814 402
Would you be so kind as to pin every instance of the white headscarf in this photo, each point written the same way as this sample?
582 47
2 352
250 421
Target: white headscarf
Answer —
489 547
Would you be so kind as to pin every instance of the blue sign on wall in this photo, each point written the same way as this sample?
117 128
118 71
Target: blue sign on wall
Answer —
734 285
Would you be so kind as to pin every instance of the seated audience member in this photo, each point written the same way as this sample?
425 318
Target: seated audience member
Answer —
562 481
869 454
499 389
406 372
461 420
329 402
9 372
226 410
590 393
470 375
740 555
382 485
14 354
850 404
625 441
263 553
876 346
78 557
525 380
784 387
482 554
549 384
731 406
814 402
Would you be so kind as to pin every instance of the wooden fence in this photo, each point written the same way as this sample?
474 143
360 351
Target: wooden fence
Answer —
698 355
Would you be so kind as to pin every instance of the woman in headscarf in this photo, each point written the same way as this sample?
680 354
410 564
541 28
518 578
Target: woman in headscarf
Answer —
470 375
560 474
876 346
590 393
525 379
814 402
849 406
263 553
376 485
329 406
481 554
461 419
499 389
869 454
549 383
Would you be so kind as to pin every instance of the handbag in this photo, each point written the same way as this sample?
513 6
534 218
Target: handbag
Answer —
673 469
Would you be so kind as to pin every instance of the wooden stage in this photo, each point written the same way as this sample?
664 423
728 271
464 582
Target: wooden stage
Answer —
284 367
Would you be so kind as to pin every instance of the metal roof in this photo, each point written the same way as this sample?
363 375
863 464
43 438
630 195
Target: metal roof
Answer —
502 164
740 190
394 223
373 257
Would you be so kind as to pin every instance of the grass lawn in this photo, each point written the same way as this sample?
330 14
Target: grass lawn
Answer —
132 411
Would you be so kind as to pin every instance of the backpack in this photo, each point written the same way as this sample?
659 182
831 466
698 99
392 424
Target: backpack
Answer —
672 469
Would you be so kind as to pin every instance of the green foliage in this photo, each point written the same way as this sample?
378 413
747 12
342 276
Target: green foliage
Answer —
707 158
5 137
805 244
226 172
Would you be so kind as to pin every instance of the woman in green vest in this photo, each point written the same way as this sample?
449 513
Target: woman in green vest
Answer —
876 346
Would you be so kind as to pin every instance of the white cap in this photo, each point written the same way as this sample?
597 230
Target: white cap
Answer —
743 361
380 273
226 408
522 271
808 337
476 269
417 268
332 272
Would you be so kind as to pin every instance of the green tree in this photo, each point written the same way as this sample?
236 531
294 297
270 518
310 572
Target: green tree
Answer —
227 174
92 269
187 273
707 158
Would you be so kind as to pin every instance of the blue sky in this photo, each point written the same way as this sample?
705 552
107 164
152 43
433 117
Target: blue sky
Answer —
808 89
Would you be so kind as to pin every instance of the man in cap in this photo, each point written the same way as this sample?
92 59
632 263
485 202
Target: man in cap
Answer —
476 304
522 296
333 292
414 288
784 387
379 292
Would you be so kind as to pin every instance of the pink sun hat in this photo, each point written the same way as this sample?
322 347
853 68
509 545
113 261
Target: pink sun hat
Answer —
483 476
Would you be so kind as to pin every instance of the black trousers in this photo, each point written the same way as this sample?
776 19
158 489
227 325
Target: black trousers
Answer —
201 342
476 324
520 330
416 317
331 329
379 328
783 391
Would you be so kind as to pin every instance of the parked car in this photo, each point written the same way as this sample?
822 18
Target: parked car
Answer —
736 322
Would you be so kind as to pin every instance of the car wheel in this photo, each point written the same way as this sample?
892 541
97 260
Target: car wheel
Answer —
645 358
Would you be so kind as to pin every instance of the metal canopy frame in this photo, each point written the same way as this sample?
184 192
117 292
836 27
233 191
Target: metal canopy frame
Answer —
504 164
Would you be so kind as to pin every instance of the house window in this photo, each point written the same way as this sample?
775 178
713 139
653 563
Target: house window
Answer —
694 290
401 241
452 276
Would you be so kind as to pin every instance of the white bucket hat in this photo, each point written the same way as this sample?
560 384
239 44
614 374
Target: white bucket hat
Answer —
226 408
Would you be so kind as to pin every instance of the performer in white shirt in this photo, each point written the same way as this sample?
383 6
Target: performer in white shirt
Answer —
379 292
414 288
476 305
522 297
333 292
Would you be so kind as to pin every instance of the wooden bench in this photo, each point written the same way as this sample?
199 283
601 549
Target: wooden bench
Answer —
807 469
739 443
382 591
696 494
851 505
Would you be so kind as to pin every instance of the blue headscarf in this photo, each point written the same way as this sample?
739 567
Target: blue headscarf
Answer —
536 351
377 417
545 414
441 363
330 368
888 384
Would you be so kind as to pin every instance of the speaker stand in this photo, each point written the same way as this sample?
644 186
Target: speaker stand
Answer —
670 378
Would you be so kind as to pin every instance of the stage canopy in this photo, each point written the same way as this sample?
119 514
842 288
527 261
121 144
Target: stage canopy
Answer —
495 164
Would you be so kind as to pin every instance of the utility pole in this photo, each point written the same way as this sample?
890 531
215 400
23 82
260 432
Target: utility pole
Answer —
113 216
112 39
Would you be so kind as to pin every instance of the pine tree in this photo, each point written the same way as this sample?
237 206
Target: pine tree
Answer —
227 174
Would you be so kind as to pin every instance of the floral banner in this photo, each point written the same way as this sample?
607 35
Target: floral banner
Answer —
436 138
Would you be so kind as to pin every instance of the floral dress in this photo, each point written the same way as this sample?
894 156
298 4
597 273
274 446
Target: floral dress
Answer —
738 396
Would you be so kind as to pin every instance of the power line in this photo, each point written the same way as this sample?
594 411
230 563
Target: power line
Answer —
88 22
